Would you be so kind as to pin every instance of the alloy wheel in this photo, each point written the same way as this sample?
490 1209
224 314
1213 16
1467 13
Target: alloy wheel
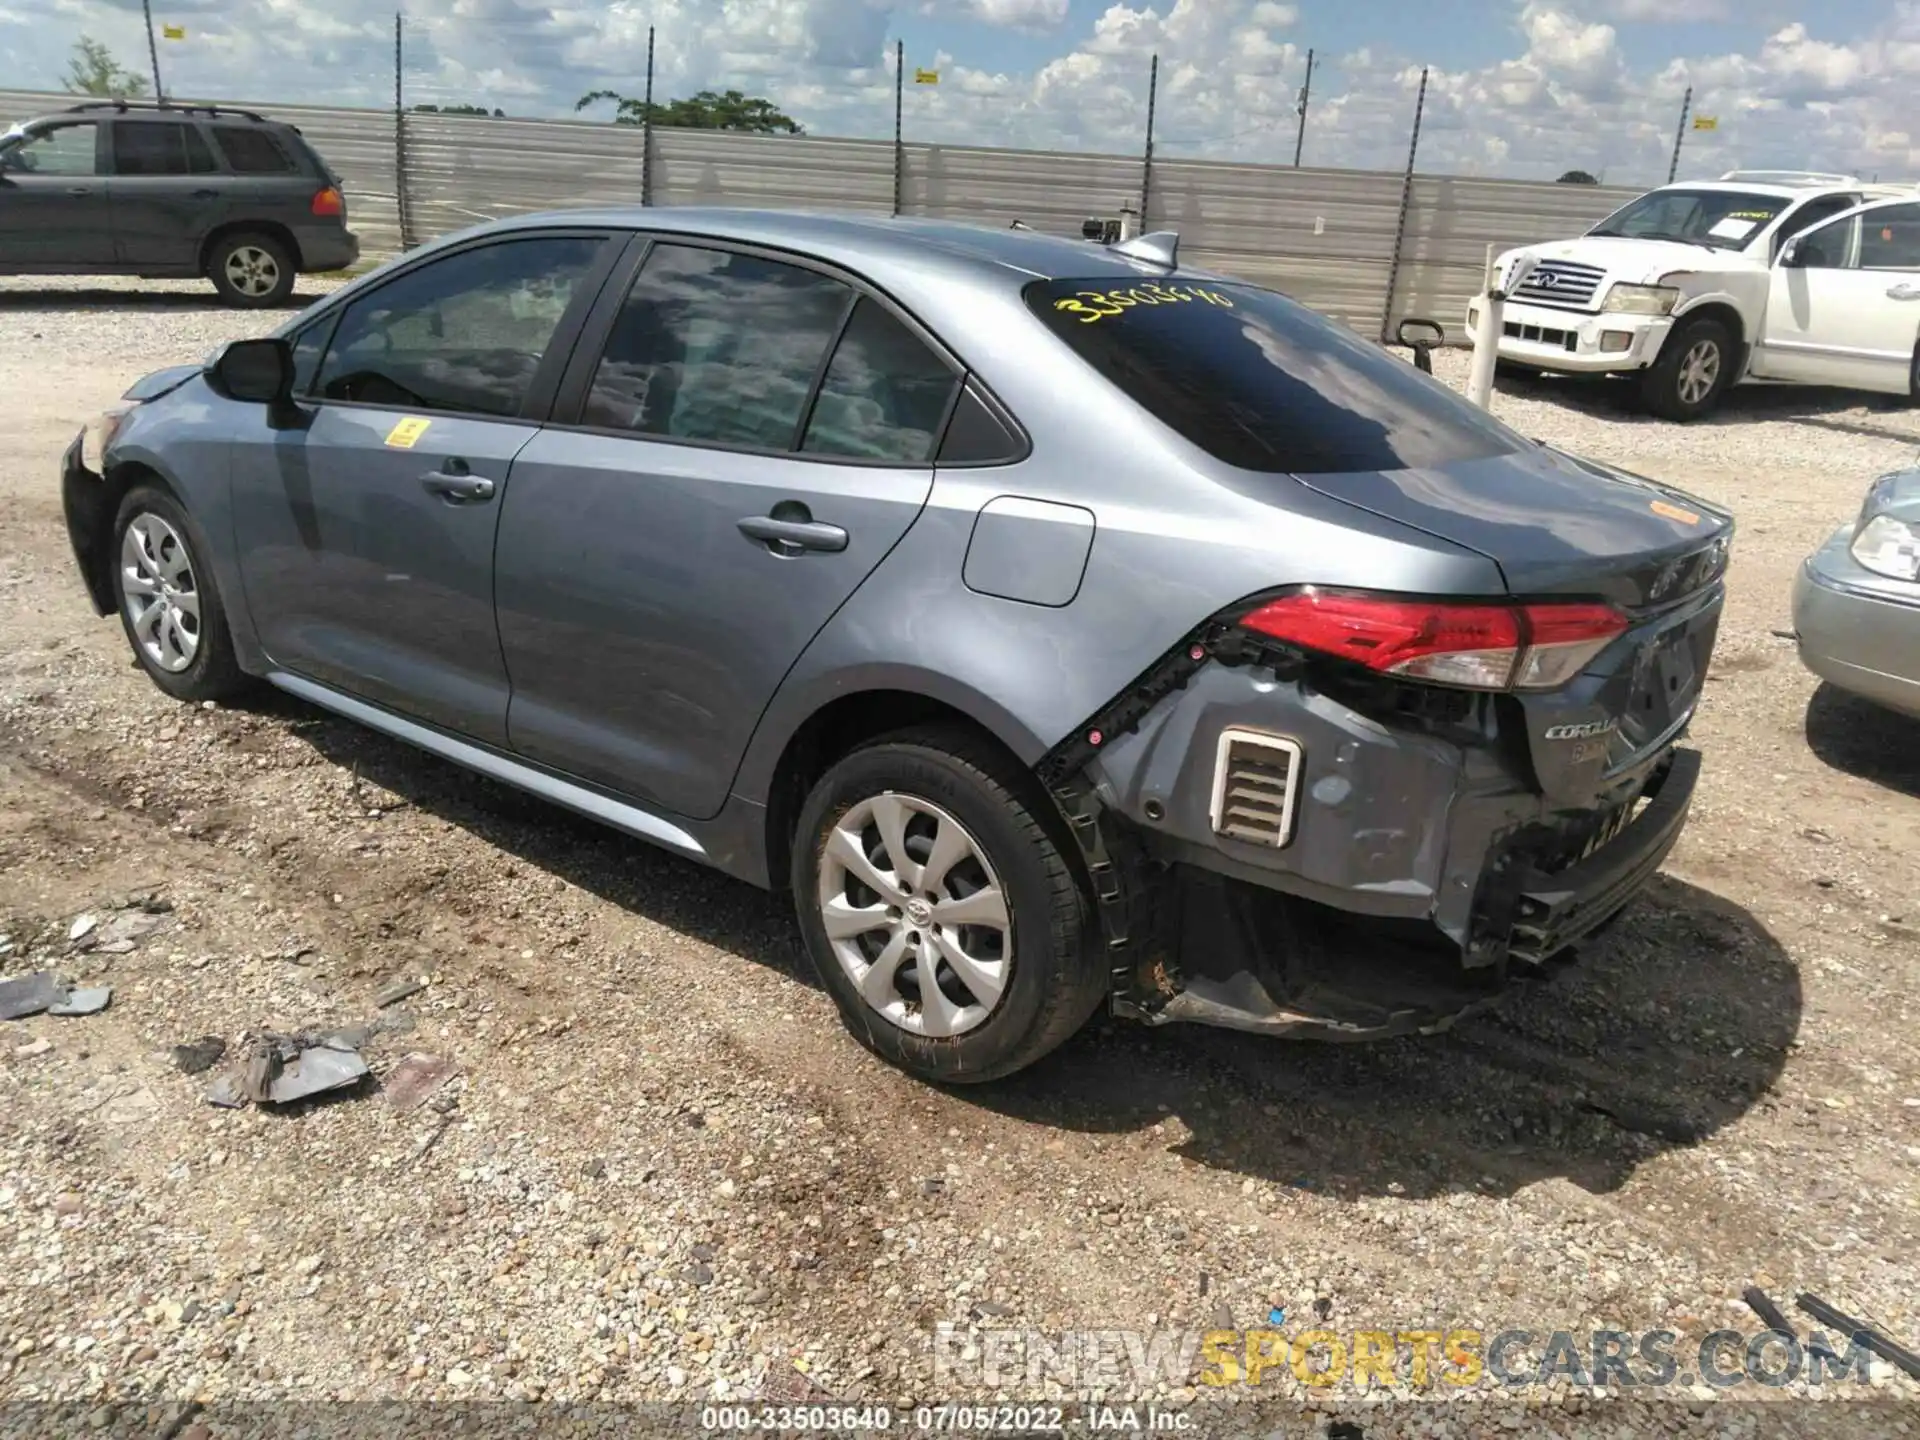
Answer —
158 588
252 271
1699 369
916 915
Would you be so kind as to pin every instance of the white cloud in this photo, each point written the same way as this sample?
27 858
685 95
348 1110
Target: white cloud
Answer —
1563 95
1037 16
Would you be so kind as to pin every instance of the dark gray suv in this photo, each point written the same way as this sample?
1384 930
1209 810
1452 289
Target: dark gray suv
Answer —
164 191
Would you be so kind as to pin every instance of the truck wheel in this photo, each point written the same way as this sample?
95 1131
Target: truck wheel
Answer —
1693 371
939 911
251 270
169 604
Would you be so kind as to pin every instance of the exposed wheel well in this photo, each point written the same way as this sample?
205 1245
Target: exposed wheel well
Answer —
271 229
96 525
831 732
1726 315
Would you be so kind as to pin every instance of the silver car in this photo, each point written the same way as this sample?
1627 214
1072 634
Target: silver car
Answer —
1856 600
1063 627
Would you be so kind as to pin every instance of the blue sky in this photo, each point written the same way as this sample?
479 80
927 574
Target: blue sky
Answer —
1521 88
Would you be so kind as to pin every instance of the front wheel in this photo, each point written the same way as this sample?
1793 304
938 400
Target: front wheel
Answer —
169 604
939 911
1693 371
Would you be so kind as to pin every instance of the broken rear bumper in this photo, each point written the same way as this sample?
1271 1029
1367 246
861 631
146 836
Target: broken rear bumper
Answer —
1555 911
1253 959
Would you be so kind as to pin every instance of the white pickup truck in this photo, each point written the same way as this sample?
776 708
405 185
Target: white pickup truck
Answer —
1759 276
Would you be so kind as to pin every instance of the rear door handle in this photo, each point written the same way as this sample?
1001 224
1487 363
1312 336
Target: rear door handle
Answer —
206 194
457 487
79 189
791 537
1903 292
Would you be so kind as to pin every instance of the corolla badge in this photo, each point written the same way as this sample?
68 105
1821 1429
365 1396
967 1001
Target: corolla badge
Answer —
1581 732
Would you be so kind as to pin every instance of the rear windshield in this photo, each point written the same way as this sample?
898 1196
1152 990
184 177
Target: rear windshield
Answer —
1262 383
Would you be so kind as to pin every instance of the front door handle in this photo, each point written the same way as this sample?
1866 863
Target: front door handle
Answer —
79 189
1903 292
206 195
793 537
457 487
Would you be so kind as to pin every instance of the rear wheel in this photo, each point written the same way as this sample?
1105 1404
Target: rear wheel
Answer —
251 270
169 605
939 911
1693 371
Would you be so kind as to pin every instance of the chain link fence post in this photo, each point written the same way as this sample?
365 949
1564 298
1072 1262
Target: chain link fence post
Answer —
402 202
1400 226
646 130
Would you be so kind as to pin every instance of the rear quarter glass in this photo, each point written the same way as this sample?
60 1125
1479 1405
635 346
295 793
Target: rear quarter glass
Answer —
1263 383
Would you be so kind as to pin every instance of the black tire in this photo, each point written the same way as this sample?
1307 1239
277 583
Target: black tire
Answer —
1668 387
251 270
1056 976
213 672
1513 370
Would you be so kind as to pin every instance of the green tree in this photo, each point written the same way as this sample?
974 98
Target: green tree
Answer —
709 110
1576 177
459 110
94 71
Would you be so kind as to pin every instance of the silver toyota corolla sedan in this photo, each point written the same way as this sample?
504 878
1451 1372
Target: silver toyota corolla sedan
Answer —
1062 626
1856 600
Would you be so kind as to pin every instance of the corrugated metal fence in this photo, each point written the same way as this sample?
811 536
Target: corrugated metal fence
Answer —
1327 237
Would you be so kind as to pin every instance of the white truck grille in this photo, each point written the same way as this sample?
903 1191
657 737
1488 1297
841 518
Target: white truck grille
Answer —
1561 282
1255 780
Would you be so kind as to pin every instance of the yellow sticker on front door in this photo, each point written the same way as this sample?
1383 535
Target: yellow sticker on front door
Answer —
404 435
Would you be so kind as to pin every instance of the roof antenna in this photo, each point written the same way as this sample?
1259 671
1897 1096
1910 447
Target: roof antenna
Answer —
1156 247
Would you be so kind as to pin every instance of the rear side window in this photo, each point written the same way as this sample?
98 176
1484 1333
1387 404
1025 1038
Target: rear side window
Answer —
1262 383
463 334
253 152
718 347
885 394
160 147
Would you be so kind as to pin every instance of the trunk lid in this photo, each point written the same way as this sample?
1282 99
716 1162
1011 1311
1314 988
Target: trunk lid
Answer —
1560 527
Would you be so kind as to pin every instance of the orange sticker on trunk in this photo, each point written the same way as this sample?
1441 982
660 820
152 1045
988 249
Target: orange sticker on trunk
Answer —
1674 512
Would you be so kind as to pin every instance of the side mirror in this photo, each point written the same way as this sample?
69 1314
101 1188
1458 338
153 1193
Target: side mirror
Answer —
257 371
1793 254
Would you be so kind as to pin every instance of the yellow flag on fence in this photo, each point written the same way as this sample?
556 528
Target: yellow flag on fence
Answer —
926 77
173 32
1706 122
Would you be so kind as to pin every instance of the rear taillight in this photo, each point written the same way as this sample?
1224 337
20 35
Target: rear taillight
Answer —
1479 646
329 202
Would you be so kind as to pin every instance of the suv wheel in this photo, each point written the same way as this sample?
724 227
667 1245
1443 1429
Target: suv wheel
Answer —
939 911
251 270
1693 371
169 605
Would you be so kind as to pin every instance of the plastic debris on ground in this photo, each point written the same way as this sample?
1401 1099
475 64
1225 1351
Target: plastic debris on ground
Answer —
46 992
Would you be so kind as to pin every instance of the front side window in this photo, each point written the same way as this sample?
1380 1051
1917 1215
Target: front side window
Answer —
1890 238
716 346
156 147
464 334
57 150
1263 383
252 152
1717 219
1814 212
885 394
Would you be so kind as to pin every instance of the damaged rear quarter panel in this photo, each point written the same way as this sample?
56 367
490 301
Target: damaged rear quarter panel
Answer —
1388 820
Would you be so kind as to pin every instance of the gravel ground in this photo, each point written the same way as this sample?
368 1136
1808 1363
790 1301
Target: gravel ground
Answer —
662 1171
